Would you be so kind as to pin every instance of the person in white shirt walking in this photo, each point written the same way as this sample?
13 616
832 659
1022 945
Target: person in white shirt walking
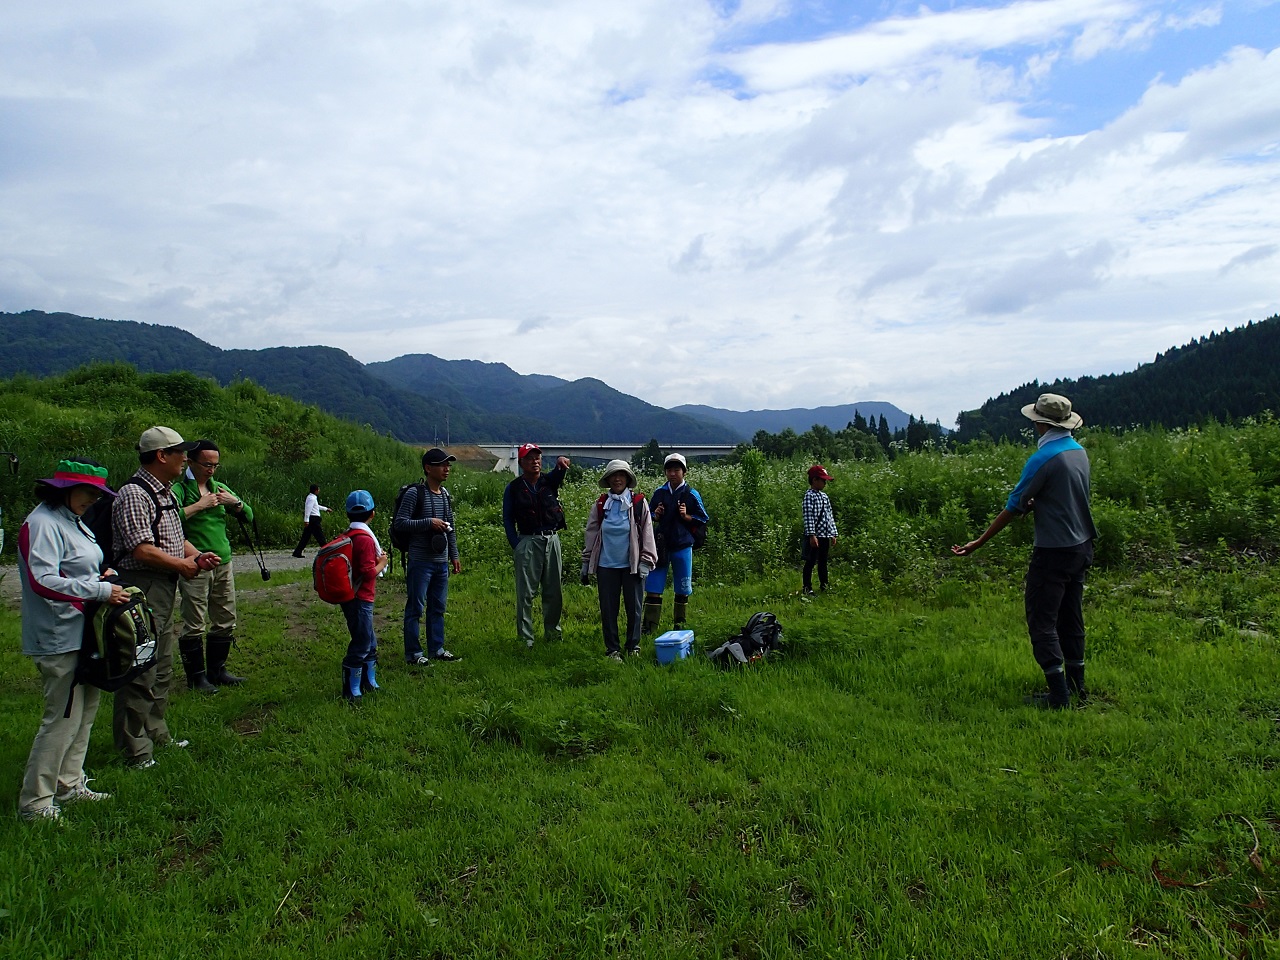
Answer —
311 529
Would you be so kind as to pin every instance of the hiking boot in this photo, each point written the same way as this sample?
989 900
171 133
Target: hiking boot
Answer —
38 814
445 656
80 792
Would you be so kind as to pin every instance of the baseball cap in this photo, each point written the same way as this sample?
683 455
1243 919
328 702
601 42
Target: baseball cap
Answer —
677 458
163 438
435 456
526 449
819 472
359 501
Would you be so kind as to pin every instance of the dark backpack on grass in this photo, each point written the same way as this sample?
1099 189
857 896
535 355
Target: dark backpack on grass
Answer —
761 636
118 644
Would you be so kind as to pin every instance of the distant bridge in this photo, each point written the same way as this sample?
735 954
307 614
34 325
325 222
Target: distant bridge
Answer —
506 452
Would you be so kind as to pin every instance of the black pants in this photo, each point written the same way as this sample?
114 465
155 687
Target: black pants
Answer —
312 531
1054 603
614 585
816 555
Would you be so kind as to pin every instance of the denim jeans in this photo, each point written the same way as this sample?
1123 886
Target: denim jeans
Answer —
427 583
363 647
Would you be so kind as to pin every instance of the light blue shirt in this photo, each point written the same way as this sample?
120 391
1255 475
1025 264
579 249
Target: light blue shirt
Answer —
615 534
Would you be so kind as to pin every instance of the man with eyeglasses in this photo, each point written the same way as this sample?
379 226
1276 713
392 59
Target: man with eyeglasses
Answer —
209 598
152 554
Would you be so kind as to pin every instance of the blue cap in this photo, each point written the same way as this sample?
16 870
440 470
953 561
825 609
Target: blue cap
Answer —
359 501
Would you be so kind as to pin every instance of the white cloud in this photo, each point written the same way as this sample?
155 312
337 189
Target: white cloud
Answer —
641 192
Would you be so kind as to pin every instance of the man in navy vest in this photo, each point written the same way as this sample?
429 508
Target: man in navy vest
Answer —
533 517
1055 485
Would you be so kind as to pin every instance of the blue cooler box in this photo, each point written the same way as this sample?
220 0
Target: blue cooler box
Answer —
673 645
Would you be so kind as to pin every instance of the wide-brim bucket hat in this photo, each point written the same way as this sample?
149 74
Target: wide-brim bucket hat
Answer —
1054 410
73 473
618 466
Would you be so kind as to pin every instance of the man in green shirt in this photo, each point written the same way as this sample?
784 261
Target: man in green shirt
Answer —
209 598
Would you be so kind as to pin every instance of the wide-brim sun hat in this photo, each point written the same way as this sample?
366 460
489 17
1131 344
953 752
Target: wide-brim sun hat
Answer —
618 466
1053 409
73 473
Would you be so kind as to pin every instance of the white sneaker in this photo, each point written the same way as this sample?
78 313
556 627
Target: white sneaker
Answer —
144 764
80 792
40 813
419 661
180 744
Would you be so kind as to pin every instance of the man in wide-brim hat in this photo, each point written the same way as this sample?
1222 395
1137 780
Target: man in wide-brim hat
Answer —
1055 484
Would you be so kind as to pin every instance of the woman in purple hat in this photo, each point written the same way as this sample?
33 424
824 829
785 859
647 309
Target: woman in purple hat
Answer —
59 560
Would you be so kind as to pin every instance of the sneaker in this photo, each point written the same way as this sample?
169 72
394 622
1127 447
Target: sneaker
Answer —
146 763
180 744
529 644
446 656
615 656
297 556
80 792
40 813
634 651
419 661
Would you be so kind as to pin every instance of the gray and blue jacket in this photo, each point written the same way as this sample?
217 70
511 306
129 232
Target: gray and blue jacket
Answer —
1056 477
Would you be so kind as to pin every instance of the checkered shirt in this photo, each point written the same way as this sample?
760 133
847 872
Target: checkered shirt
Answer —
132 516
819 521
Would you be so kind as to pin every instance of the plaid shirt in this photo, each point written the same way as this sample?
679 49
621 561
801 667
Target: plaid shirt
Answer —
134 513
819 521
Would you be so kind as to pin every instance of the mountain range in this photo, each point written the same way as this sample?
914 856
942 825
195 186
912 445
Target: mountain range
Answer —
416 398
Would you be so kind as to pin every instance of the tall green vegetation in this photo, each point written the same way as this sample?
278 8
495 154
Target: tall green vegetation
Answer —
272 447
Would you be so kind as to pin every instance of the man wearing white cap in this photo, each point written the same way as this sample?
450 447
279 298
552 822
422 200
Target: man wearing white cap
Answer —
151 553
1054 484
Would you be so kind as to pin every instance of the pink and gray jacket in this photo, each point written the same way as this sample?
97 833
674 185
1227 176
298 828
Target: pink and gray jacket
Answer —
58 560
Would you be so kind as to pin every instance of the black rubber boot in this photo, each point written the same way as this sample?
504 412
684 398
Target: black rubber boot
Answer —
1075 679
219 649
652 613
192 655
681 613
1059 697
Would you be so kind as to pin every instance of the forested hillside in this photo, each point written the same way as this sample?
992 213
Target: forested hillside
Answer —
1223 376
414 398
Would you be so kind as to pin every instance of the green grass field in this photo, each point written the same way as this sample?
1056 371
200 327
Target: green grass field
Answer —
881 791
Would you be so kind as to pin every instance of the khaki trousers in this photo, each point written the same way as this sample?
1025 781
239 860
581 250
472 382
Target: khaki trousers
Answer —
138 721
56 762
208 600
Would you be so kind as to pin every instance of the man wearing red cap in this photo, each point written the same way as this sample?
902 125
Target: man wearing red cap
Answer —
533 517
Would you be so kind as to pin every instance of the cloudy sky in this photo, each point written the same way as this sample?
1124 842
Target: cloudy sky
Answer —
765 203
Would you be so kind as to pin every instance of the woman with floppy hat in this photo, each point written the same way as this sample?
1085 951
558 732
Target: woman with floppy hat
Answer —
1055 485
59 560
618 547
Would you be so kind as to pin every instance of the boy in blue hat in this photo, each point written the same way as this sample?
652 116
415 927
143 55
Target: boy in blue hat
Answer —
368 559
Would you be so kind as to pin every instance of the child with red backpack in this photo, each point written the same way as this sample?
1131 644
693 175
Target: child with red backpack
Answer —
619 549
368 559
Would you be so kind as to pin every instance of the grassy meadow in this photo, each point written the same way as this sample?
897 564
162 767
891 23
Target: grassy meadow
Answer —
880 791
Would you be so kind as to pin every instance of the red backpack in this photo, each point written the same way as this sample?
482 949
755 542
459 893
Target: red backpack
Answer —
333 570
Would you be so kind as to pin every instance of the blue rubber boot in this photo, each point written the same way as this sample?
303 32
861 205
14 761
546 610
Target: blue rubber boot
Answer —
351 684
369 683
